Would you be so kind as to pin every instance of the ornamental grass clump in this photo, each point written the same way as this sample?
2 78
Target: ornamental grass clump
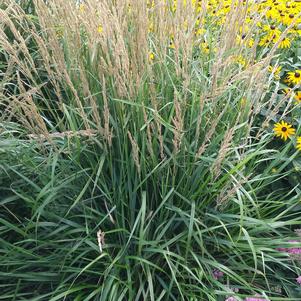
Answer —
138 159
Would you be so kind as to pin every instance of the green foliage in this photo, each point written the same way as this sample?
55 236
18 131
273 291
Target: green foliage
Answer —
163 234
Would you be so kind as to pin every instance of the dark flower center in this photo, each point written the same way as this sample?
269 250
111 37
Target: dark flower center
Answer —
284 129
297 74
273 27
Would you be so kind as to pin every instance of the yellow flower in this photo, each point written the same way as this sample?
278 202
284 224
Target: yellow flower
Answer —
298 146
285 43
294 77
172 45
151 27
298 97
81 8
287 91
287 19
243 102
205 47
100 29
284 130
241 60
265 41
151 56
272 13
251 43
276 71
199 31
150 4
295 30
243 39
272 31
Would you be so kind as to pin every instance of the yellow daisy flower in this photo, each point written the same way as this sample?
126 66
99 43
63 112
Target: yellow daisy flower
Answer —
264 41
295 30
297 97
298 146
251 43
287 91
81 8
151 27
284 130
294 77
272 13
172 45
199 31
275 70
150 4
205 47
285 43
241 60
287 19
151 56
272 31
244 40
100 29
